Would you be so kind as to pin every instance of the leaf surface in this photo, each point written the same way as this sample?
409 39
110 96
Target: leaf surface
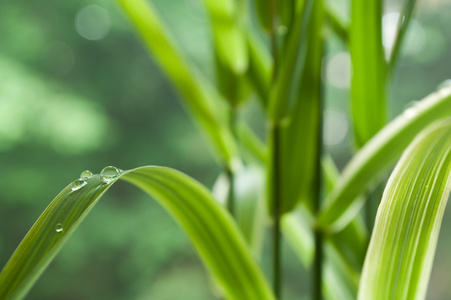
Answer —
402 248
368 69
377 156
203 101
212 231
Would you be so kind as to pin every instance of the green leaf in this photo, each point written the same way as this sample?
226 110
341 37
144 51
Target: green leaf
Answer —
402 247
208 107
212 231
263 9
377 156
233 87
300 132
368 70
229 39
286 10
292 63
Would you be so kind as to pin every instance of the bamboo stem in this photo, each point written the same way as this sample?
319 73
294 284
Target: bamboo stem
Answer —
276 210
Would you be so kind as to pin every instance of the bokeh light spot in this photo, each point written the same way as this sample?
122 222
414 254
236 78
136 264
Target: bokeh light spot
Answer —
335 127
92 22
338 70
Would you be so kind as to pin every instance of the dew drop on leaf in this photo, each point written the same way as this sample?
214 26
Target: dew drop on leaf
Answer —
110 173
446 83
78 184
59 227
85 175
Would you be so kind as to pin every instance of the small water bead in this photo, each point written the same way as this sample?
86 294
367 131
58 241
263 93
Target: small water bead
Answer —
444 84
108 174
85 175
59 227
412 109
78 184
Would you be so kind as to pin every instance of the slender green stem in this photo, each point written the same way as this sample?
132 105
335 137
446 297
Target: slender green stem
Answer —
318 266
319 238
229 168
274 47
276 209
275 160
369 213
403 24
231 196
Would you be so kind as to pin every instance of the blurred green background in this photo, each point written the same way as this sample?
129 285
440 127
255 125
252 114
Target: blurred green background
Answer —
79 91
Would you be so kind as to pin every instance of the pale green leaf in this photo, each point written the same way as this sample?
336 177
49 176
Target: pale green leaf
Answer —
377 156
212 231
402 247
299 142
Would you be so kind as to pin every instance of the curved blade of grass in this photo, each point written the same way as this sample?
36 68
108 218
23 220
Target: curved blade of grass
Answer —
337 21
402 248
208 107
212 231
368 70
403 24
377 156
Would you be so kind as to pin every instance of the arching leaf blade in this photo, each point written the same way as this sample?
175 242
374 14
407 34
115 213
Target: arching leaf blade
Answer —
43 240
212 231
377 156
402 247
200 97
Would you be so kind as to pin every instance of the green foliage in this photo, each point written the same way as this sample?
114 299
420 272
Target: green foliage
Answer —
281 176
402 248
211 229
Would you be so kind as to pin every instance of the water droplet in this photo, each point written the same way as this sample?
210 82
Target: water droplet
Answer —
444 84
59 227
110 173
85 175
410 112
411 109
78 184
